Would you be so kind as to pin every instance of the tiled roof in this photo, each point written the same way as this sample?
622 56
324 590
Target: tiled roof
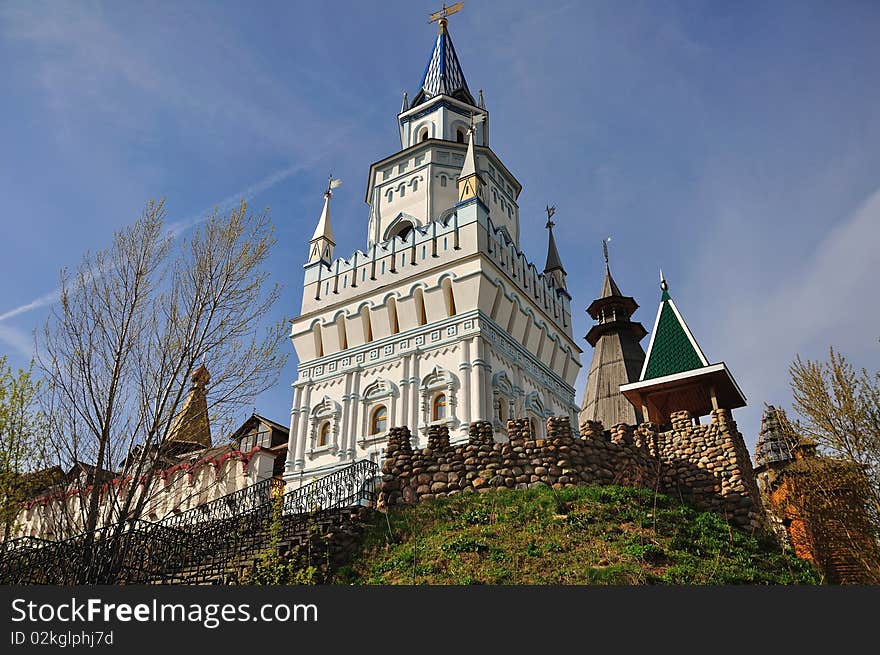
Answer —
443 74
609 286
554 262
773 445
672 350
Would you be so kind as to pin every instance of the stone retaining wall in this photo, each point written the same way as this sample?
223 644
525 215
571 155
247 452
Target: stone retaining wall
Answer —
706 464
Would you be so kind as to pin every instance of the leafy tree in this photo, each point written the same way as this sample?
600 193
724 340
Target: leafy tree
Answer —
21 429
839 409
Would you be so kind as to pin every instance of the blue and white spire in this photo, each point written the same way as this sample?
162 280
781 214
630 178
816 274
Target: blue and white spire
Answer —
443 74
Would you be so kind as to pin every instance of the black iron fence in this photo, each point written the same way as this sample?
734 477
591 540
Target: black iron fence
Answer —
196 546
233 504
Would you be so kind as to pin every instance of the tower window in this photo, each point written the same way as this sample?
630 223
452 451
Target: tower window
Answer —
379 420
403 230
420 307
459 135
392 316
449 297
499 410
438 410
423 134
442 180
324 434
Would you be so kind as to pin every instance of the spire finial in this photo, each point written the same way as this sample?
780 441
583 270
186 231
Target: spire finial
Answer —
482 103
442 16
476 119
554 263
605 250
551 209
332 183
404 105
200 376
663 285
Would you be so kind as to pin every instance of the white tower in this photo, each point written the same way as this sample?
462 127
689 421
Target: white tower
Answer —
443 319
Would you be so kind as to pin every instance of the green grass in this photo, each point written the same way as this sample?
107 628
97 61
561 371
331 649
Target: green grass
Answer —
580 535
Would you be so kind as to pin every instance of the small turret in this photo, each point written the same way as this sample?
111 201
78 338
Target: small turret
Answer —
470 183
676 375
553 267
443 74
617 356
322 243
191 428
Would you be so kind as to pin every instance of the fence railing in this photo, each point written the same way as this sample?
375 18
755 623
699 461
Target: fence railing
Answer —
189 547
238 502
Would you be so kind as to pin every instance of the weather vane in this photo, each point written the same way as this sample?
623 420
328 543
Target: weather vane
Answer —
605 249
332 183
444 12
476 119
551 209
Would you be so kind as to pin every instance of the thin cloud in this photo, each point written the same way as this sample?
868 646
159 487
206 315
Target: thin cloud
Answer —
826 301
18 339
173 229
176 227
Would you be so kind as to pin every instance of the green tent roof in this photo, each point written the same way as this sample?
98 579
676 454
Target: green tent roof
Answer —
673 348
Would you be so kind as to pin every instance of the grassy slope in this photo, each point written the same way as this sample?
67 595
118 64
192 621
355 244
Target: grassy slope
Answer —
581 535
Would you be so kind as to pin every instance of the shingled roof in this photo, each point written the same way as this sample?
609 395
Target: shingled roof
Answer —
443 74
673 348
676 375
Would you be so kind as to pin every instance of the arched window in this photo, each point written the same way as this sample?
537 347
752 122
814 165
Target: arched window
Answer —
459 135
324 434
421 316
448 297
379 420
403 230
533 422
438 410
442 180
423 134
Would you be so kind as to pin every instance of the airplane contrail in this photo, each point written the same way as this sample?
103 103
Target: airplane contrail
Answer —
42 301
176 227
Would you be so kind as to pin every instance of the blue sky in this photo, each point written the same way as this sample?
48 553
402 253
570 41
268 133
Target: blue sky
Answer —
737 145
